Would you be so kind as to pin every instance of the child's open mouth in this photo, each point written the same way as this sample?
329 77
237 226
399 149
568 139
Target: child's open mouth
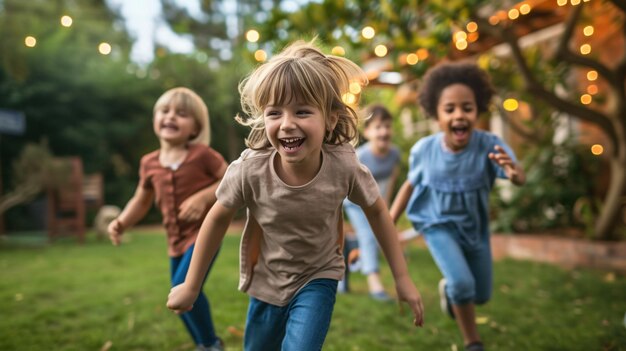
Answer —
460 131
291 144
169 126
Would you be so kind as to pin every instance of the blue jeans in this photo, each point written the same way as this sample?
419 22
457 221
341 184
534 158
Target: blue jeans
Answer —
301 325
468 270
198 321
368 246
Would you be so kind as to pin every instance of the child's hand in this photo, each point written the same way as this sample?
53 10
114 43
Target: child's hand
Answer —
192 208
181 299
115 230
504 160
408 293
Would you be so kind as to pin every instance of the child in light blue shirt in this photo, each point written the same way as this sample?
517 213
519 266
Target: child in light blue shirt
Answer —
446 194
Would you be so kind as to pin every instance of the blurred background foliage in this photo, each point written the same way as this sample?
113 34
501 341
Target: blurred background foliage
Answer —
99 107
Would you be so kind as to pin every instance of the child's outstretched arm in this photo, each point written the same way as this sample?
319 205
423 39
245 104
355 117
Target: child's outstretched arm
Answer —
135 209
512 170
402 198
383 228
212 231
194 206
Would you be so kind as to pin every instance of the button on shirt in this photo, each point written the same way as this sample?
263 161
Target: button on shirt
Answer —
173 186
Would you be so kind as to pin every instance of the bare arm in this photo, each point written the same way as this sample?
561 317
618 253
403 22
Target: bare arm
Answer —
133 212
210 236
194 206
402 198
392 183
384 230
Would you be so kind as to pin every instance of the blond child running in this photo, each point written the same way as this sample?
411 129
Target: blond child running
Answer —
181 177
292 180
446 194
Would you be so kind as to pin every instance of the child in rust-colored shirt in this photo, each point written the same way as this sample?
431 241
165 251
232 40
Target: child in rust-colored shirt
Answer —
181 178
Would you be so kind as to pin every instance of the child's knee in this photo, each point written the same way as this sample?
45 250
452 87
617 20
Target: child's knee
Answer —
461 291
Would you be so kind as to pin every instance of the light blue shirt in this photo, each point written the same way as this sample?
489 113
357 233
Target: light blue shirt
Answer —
453 188
381 167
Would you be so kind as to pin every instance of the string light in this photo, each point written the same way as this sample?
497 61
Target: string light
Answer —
422 54
561 2
525 9
585 49
380 50
510 105
252 36
513 14
412 59
460 35
30 41
260 55
355 88
588 31
104 48
493 20
592 89
597 149
66 21
585 99
348 98
575 2
471 27
368 32
339 51
592 75
461 45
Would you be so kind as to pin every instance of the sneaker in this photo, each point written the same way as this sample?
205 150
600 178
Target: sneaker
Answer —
444 304
475 346
217 346
380 296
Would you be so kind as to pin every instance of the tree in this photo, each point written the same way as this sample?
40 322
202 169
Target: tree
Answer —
405 26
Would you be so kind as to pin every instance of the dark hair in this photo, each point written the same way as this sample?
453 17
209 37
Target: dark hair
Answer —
446 74
374 112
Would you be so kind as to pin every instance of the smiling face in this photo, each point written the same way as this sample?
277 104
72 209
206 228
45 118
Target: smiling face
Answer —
457 114
173 125
296 130
378 132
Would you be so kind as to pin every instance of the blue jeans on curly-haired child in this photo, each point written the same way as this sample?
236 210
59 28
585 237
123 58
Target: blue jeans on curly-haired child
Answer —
301 325
466 263
198 321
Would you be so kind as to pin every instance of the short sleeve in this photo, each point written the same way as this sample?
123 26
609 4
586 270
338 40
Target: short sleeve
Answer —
363 190
230 191
213 161
415 168
144 180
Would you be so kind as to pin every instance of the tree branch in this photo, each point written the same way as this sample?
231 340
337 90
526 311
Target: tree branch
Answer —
620 4
539 91
564 53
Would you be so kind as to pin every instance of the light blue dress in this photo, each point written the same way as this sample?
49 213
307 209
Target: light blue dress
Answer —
450 206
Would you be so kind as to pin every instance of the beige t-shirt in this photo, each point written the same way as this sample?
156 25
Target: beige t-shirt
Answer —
293 233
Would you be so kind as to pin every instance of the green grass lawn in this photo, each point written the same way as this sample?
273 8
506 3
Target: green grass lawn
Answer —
95 296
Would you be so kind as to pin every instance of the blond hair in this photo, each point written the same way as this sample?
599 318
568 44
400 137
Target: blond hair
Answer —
302 73
187 100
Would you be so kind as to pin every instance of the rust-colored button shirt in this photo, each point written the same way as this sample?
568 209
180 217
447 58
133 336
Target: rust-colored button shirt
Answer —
172 187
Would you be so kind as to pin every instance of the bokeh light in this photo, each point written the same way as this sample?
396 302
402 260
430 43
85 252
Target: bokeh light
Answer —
585 99
597 149
471 27
380 50
510 105
338 51
30 41
104 48
585 49
368 32
525 9
412 59
592 89
588 31
260 55
252 36
66 21
592 75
